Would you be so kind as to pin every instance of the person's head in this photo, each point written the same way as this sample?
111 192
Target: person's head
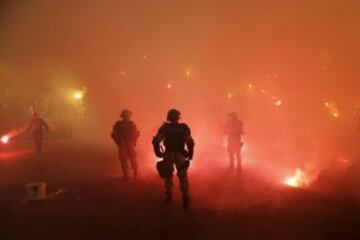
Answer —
233 116
173 116
125 114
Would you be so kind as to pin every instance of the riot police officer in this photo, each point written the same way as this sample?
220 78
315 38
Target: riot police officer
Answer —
233 130
175 137
125 135
36 127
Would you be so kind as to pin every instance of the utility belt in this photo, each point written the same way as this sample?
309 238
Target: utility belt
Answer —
183 152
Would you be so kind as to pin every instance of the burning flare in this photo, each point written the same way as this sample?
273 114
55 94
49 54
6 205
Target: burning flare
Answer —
299 180
5 139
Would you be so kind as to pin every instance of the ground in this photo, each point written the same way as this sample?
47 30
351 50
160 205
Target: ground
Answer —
98 204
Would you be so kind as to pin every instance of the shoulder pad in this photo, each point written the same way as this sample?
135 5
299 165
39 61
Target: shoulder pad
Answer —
184 126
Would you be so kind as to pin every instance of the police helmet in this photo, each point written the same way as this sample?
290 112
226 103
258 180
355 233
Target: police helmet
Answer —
173 115
125 113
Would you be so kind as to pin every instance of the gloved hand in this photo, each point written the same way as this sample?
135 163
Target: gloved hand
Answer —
187 164
159 154
157 149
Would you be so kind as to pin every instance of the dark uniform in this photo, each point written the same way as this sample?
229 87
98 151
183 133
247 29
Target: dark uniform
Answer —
175 136
36 127
233 130
125 135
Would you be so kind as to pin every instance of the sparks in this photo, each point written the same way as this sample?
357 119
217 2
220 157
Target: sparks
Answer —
332 109
299 180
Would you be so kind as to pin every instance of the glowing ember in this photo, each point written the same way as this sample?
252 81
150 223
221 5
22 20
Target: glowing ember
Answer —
278 103
332 109
299 180
5 139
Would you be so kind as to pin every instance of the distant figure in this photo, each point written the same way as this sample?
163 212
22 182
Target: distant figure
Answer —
233 130
36 127
125 135
175 136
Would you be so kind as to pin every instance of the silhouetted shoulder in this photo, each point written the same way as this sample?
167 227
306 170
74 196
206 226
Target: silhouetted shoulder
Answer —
186 128
164 127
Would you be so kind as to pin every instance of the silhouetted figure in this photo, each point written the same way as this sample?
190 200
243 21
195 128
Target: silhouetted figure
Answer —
175 136
36 127
233 130
125 135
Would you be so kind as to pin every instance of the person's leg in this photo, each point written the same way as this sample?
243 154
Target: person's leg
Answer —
231 159
123 161
131 154
238 160
38 143
183 178
169 184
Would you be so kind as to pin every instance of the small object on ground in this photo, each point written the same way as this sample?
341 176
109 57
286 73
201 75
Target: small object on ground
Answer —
36 191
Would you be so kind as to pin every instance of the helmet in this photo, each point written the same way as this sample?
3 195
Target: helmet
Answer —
125 113
233 116
173 115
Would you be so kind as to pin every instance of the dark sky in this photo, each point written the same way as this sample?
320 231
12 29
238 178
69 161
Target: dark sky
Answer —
126 52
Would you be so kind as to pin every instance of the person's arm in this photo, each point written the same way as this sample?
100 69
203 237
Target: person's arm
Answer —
115 135
189 143
242 128
136 132
157 139
45 125
29 127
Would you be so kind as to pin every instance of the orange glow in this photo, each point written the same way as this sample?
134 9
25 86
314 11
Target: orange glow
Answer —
299 180
169 86
229 96
5 139
278 103
78 95
332 109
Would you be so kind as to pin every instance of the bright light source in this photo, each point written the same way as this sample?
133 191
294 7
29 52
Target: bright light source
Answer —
229 95
5 139
78 95
169 86
250 86
298 180
278 103
301 178
187 73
